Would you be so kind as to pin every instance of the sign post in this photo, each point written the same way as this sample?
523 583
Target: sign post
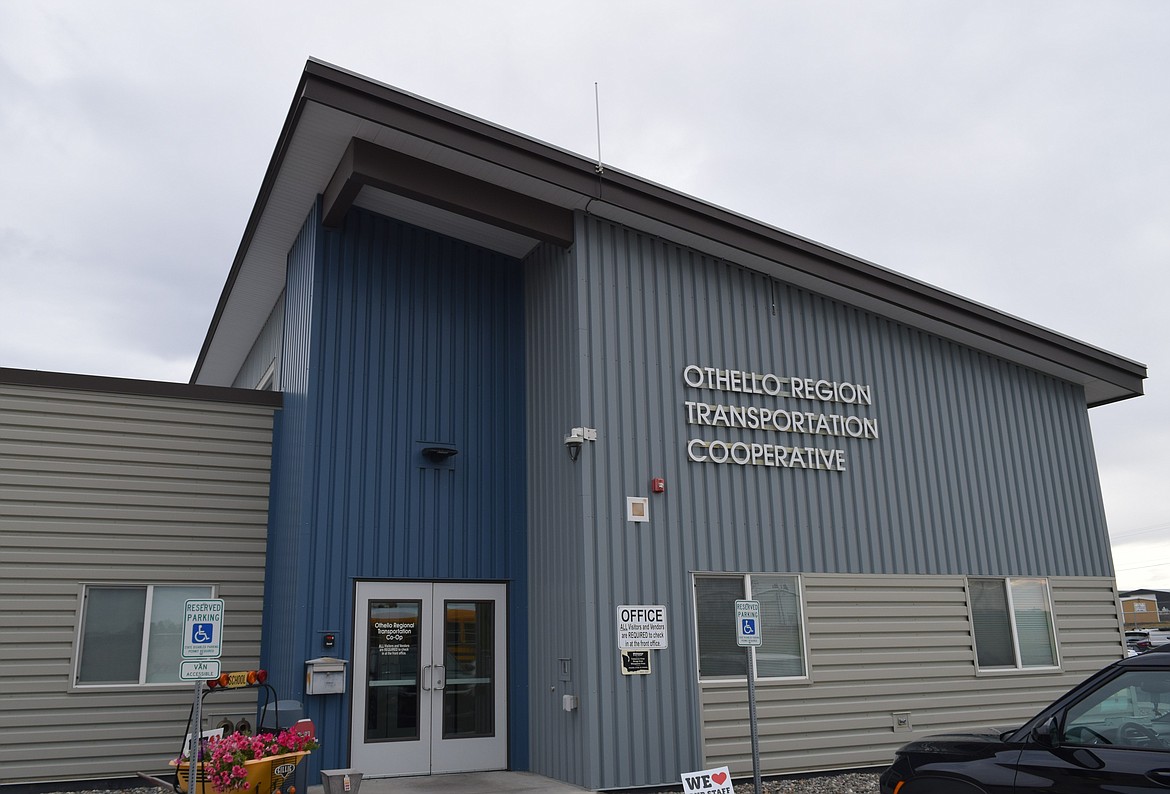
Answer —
748 636
203 642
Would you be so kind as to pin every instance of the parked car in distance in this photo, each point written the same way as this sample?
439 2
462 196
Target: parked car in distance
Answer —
1138 644
1110 733
1155 637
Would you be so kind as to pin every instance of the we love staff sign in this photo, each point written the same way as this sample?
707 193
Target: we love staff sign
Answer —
707 781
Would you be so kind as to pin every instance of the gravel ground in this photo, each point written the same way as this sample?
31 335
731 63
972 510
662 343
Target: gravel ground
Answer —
847 783
843 783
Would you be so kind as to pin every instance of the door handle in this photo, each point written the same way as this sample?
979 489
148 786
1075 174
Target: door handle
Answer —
426 678
1159 776
440 677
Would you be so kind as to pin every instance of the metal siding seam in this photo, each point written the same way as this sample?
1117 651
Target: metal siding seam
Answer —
1044 408
1017 560
1071 455
960 442
593 325
859 493
885 494
938 462
544 337
987 484
1086 480
914 461
1029 516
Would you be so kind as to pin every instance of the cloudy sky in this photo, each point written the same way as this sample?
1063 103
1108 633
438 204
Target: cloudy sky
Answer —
1017 154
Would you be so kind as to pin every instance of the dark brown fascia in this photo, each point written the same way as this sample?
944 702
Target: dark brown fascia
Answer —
448 128
367 164
145 388
382 104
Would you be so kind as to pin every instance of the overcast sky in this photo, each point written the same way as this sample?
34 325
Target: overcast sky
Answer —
1015 153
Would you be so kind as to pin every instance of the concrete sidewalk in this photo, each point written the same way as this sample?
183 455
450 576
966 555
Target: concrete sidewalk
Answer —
462 783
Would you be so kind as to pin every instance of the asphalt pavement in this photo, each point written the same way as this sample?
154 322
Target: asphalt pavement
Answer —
460 783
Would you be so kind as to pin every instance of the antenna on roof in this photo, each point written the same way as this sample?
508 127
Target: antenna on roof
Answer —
597 111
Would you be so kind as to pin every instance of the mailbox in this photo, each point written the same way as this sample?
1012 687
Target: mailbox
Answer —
325 676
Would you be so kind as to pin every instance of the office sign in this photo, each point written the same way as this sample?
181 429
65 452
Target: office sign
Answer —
642 627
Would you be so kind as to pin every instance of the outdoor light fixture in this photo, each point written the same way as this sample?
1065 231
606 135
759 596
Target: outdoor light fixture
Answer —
576 438
438 454
573 444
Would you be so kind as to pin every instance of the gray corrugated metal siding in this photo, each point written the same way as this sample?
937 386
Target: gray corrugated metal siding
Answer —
558 554
977 460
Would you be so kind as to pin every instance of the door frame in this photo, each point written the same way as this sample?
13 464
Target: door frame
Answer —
430 753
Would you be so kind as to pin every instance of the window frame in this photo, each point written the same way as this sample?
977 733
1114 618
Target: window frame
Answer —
144 648
1018 667
267 381
741 680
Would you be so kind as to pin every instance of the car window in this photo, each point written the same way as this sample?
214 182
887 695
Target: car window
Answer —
1131 710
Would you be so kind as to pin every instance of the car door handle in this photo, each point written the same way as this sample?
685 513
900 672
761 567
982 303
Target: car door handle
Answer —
1160 776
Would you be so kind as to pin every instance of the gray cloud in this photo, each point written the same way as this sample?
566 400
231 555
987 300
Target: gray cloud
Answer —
1014 153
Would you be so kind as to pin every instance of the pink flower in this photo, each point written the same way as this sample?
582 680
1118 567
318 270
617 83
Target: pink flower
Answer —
225 757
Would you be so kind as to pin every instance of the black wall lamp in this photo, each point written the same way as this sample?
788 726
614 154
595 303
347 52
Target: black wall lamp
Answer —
439 454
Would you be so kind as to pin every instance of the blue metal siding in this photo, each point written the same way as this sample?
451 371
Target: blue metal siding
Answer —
408 338
982 467
284 631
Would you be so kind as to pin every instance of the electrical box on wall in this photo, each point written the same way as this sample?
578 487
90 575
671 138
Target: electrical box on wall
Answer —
325 676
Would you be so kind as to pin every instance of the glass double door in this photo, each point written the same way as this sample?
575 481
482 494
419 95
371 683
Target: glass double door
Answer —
430 673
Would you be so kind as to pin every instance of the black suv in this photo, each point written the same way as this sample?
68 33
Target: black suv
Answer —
1110 733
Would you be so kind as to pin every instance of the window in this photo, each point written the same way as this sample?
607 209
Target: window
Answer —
1013 623
130 634
781 626
268 379
1126 711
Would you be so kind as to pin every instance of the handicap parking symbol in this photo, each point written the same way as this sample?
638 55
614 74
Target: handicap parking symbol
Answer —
201 633
749 627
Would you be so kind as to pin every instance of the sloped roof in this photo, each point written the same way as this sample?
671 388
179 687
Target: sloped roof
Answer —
359 142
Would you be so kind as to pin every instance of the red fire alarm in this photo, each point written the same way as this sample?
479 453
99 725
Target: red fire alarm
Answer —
658 485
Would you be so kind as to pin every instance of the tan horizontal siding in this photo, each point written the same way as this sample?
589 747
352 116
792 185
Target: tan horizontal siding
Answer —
112 488
872 653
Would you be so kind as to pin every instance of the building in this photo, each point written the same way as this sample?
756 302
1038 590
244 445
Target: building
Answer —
119 499
1145 608
541 423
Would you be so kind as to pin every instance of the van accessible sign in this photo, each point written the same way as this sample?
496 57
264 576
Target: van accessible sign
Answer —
642 627
203 628
198 669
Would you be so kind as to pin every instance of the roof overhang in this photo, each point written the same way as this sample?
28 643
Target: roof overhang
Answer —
357 142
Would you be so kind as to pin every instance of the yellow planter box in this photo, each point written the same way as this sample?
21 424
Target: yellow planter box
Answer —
266 775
